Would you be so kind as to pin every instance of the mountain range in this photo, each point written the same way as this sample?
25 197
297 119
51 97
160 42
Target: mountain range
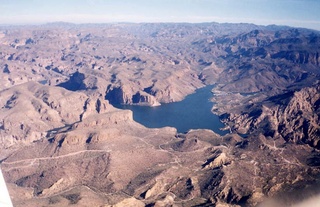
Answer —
64 144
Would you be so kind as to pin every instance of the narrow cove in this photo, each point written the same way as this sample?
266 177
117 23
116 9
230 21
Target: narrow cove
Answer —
194 112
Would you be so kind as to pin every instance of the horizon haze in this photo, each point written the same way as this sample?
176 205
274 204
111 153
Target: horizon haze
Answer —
295 13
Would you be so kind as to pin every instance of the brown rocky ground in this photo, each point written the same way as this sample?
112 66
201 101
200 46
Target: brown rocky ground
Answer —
63 144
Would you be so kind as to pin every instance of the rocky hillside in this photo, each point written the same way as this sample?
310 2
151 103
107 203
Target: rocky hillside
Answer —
292 116
105 158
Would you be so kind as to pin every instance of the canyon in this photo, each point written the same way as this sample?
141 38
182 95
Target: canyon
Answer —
64 144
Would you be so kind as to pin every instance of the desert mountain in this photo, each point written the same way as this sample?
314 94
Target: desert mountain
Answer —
64 144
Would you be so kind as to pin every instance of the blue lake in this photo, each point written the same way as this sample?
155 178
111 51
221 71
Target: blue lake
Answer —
194 112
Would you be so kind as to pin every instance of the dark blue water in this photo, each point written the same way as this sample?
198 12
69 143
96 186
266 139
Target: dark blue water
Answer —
194 112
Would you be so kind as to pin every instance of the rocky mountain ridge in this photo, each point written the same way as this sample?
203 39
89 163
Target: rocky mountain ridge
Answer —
115 56
293 117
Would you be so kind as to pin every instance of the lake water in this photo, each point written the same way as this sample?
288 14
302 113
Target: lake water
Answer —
194 112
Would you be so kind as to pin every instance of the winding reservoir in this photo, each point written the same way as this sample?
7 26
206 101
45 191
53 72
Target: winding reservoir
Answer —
194 112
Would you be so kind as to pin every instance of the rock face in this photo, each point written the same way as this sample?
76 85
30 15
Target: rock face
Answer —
293 116
125 96
63 144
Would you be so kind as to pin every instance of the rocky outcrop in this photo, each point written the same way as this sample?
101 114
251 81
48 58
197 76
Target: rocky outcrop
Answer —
142 98
300 57
29 111
299 120
174 87
122 95
293 116
75 83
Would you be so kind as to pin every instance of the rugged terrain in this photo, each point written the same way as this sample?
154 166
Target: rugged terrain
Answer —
64 144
